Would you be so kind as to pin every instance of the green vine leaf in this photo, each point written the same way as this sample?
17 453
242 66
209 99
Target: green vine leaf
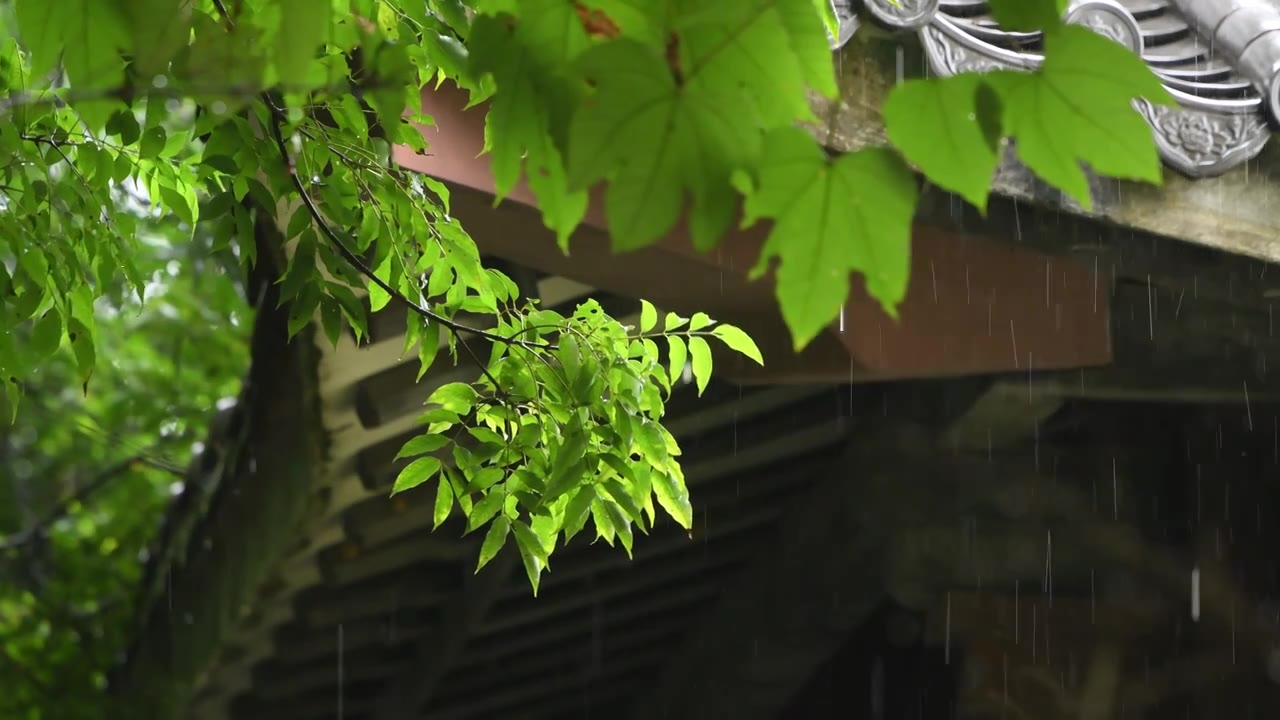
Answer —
831 218
678 143
1079 109
944 126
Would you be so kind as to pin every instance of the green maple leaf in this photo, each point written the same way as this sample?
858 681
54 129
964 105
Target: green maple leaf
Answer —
831 218
520 126
657 143
773 50
944 126
1078 108
637 19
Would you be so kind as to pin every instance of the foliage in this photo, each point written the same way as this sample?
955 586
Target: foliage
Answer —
84 478
216 114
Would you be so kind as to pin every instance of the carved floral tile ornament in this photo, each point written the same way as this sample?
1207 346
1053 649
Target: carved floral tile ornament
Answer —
1219 58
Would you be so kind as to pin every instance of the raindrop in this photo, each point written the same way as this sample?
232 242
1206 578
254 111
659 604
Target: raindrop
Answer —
341 672
1115 491
946 652
1195 594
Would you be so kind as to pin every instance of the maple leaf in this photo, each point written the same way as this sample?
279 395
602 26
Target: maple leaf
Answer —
944 126
773 49
831 218
520 127
657 144
1078 108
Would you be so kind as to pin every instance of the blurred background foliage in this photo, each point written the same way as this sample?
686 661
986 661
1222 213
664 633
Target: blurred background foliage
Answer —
87 470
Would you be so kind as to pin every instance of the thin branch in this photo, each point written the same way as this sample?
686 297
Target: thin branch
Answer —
354 260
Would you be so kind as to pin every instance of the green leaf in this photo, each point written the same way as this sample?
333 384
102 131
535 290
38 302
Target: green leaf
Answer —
484 510
378 297
302 310
603 520
773 49
153 142
428 347
831 218
459 487
416 473
444 499
940 125
568 465
494 540
40 23
699 321
1079 109
619 495
678 143
422 445
738 341
1026 15
648 316
299 221
578 510
456 397
673 322
331 319
700 359
532 553
649 441
46 336
485 479
158 30
304 26
519 124
673 496
621 526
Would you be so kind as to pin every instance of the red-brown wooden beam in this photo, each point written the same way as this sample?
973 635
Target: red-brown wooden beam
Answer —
974 305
